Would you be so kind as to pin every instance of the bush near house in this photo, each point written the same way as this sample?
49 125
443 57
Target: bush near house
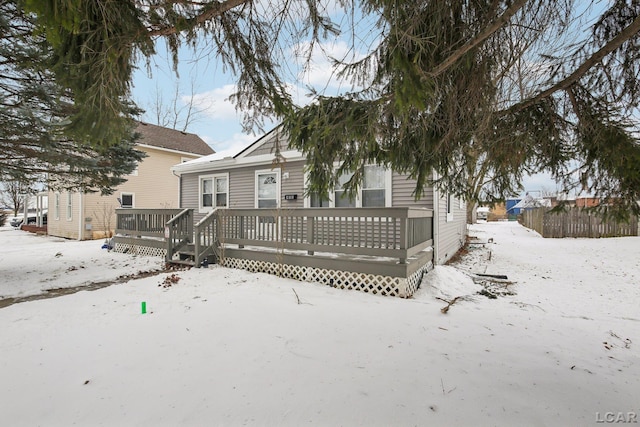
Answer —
3 218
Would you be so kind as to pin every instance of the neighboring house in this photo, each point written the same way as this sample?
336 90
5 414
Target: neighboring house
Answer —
529 202
85 216
511 208
249 180
587 202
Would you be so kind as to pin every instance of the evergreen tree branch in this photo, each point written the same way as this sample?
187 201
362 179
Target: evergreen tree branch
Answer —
480 38
630 31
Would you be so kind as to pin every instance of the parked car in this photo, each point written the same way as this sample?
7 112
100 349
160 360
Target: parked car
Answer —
16 221
32 218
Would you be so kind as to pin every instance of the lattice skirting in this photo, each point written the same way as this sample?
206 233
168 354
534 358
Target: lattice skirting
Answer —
127 248
371 283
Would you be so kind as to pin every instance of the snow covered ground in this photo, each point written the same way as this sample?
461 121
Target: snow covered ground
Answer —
558 346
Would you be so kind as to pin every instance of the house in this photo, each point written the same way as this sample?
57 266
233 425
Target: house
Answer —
85 216
244 211
529 202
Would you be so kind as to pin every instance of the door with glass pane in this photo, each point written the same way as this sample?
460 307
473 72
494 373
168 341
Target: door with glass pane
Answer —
267 197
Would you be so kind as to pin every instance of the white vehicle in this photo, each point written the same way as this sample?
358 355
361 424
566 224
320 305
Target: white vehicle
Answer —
482 213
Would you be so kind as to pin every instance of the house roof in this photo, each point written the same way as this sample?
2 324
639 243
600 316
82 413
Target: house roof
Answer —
171 139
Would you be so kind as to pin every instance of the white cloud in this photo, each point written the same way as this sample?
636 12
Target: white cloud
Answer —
215 103
232 146
321 73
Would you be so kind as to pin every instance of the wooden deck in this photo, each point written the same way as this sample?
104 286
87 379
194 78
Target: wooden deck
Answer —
331 245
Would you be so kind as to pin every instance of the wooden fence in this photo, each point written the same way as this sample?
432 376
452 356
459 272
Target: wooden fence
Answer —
576 222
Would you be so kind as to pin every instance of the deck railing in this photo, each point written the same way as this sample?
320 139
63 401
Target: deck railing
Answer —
144 222
385 232
399 232
179 232
206 236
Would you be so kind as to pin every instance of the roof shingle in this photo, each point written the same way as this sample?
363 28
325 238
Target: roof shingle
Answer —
171 139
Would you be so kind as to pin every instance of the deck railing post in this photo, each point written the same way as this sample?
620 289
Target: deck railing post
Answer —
168 234
403 238
310 232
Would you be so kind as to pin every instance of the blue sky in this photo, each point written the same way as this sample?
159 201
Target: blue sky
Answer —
217 121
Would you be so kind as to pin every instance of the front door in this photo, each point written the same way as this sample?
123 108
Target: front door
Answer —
267 197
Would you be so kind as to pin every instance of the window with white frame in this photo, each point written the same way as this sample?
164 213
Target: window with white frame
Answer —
374 187
214 192
69 206
449 207
56 205
127 200
341 198
267 189
375 190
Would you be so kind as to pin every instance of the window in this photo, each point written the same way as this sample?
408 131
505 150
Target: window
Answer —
315 201
69 206
56 205
375 191
373 187
126 200
342 200
268 190
214 192
449 207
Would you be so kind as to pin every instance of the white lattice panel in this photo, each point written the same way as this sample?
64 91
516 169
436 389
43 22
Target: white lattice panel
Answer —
127 248
371 283
413 281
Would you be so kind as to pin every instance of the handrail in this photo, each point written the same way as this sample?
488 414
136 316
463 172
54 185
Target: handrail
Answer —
178 232
206 237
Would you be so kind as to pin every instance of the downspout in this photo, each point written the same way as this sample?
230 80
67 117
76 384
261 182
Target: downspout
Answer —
80 215
436 226
179 188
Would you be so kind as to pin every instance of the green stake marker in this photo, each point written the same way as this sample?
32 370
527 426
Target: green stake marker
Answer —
144 307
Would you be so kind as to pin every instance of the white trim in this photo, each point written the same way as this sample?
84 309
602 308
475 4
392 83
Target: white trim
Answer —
436 224
69 206
169 150
232 163
56 205
449 206
260 142
133 199
278 185
212 177
80 217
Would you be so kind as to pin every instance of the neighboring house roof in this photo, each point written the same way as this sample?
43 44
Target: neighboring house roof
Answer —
171 139
531 202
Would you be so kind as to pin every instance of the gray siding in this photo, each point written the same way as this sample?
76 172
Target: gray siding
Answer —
293 185
402 189
189 193
451 235
268 144
242 188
